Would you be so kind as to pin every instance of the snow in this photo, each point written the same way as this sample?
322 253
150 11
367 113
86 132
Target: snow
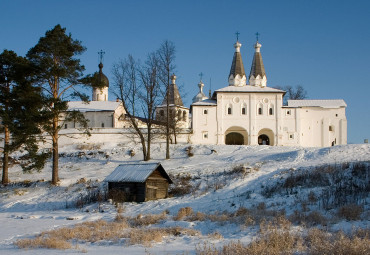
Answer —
249 88
28 209
135 172
93 106
328 103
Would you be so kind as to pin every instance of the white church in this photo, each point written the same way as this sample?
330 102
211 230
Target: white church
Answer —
238 114
254 114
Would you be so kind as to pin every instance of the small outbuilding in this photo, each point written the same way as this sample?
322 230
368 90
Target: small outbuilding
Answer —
138 182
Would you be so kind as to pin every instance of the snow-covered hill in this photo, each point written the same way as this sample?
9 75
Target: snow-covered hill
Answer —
221 179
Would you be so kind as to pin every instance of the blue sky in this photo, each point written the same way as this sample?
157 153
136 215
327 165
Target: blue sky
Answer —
321 45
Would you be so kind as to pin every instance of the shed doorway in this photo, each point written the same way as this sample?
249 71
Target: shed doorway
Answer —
234 138
263 140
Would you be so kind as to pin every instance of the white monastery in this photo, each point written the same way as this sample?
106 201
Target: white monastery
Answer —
254 113
240 113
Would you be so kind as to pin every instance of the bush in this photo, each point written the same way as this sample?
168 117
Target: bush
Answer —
183 212
350 212
181 185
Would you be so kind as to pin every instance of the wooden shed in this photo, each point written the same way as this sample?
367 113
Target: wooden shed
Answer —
138 182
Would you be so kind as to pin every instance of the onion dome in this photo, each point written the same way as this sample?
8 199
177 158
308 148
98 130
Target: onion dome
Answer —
200 96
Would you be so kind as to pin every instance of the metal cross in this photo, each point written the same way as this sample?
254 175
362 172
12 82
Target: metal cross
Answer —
201 75
237 36
257 35
101 54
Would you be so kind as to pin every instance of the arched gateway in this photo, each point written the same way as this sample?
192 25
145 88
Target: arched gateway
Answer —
236 136
234 139
266 137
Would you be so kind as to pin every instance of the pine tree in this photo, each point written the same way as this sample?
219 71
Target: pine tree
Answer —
58 72
20 111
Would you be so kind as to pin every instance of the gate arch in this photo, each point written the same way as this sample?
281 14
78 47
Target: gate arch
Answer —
266 137
236 136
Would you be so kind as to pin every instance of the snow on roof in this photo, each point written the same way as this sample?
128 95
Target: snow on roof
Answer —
93 106
249 88
137 172
206 102
329 103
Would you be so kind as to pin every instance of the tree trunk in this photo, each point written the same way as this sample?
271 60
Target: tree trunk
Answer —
55 177
174 134
5 179
149 143
168 119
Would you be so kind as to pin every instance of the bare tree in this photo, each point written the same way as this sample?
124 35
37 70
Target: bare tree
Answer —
293 93
166 55
138 87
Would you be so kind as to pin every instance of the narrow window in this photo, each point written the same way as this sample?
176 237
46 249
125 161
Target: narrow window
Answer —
336 115
205 111
161 112
205 135
184 115
260 110
288 112
331 128
243 111
291 136
102 125
179 115
229 110
65 126
271 111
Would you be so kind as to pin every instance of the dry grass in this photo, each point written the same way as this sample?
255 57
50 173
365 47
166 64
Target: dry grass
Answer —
122 229
276 237
319 242
41 242
148 219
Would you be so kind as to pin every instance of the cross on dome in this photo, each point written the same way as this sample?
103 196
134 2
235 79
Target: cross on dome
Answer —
237 36
101 54
201 76
257 35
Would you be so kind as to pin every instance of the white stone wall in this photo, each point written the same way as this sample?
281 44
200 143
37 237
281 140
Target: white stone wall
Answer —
284 126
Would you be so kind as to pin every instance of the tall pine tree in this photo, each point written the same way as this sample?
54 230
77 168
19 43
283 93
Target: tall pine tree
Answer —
58 72
20 111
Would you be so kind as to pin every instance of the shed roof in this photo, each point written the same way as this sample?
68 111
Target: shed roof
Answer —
135 172
328 103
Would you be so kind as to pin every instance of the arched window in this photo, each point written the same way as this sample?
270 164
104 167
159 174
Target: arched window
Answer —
271 110
229 110
102 124
184 115
179 115
259 109
244 109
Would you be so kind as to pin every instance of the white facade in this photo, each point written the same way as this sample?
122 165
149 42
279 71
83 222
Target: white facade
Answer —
254 114
100 114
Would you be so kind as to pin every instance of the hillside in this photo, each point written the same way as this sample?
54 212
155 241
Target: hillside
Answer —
230 190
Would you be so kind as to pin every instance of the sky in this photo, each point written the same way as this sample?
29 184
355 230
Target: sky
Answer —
320 45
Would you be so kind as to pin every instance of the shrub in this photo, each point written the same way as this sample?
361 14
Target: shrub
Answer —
315 218
149 219
181 185
183 212
350 212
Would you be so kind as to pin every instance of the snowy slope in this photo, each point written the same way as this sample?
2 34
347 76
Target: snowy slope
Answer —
36 206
